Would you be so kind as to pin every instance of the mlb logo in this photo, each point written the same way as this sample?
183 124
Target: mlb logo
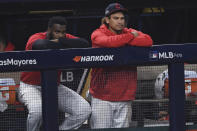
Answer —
153 55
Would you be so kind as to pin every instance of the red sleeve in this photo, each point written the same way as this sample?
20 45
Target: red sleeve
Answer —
141 40
9 47
32 39
70 36
100 39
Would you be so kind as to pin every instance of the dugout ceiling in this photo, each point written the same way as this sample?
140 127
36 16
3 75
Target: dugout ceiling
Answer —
167 21
85 7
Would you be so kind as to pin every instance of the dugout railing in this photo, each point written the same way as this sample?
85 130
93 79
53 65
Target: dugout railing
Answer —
49 61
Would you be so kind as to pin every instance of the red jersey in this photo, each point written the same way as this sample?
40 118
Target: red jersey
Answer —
34 78
115 83
9 47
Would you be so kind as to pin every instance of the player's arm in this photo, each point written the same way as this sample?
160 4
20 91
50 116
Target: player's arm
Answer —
61 43
140 39
102 40
74 42
42 44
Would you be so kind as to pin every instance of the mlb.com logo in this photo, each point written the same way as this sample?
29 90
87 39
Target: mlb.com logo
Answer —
154 55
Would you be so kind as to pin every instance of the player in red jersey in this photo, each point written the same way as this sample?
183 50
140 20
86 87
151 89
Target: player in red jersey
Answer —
113 88
30 86
6 97
5 45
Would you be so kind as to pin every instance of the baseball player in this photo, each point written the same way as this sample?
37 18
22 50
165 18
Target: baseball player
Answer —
113 88
30 86
162 88
5 44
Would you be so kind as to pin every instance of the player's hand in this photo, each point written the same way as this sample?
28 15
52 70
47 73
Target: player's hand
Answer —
135 34
163 115
55 40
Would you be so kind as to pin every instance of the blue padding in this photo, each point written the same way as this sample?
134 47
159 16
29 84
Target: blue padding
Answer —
97 57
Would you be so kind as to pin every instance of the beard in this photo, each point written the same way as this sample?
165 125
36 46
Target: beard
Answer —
50 36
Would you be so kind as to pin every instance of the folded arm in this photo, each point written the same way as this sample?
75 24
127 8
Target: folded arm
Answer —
101 40
61 43
141 40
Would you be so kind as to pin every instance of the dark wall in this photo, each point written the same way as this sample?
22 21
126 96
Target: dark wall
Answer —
176 25
19 29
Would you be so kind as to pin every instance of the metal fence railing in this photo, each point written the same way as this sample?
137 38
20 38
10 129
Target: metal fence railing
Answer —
48 61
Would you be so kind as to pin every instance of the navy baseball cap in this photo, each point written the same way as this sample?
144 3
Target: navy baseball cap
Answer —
115 7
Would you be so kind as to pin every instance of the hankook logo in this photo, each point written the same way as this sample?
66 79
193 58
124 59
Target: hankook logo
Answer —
93 58
17 62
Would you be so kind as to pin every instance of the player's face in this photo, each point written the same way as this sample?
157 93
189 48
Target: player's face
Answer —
116 22
57 31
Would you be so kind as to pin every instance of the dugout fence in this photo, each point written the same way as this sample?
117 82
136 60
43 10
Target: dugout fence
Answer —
48 62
